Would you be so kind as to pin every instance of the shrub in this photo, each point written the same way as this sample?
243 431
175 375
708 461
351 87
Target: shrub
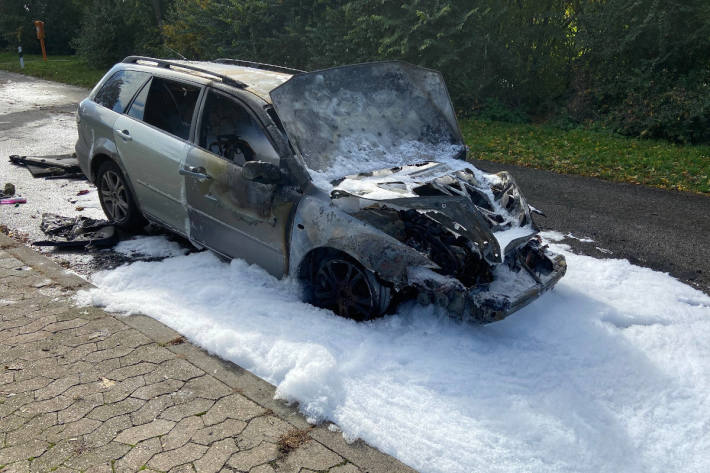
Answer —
114 29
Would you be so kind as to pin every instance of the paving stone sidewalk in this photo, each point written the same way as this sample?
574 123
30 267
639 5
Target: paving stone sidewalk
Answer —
82 390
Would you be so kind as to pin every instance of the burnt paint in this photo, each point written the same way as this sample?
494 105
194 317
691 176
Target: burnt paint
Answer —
327 226
237 217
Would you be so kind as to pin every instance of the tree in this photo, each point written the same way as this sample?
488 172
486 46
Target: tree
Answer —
59 16
114 29
644 67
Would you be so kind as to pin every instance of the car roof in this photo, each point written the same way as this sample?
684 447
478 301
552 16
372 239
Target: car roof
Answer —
259 79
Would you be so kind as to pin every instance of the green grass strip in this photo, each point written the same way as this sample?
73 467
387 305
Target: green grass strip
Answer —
591 153
67 69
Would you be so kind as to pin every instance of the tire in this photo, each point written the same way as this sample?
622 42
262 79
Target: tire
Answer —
116 198
342 285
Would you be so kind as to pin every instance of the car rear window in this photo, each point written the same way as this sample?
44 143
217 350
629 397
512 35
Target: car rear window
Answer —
119 89
168 105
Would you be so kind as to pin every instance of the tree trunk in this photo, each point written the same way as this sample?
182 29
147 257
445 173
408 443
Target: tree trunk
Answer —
158 13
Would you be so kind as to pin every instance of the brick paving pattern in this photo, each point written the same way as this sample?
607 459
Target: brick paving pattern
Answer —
82 390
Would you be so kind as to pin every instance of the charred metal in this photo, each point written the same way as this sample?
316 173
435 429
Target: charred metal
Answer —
353 179
456 219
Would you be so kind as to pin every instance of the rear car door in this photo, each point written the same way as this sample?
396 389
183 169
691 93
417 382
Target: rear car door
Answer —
153 141
97 116
234 216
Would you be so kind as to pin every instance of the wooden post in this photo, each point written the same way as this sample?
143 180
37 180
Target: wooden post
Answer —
39 26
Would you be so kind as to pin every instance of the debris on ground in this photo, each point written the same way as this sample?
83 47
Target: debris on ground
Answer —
83 192
107 383
8 190
62 166
13 201
14 234
175 341
76 232
292 440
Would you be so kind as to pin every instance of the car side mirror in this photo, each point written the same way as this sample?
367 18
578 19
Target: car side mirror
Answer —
261 171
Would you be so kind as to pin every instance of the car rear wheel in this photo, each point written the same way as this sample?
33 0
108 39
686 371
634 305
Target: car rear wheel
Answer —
116 198
343 286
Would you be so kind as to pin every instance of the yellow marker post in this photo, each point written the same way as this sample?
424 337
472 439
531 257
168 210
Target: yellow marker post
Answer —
39 26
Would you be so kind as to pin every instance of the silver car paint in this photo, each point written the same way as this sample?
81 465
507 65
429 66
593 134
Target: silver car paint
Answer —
275 226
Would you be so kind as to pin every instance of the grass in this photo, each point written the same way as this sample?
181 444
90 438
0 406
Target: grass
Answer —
591 153
67 69
585 152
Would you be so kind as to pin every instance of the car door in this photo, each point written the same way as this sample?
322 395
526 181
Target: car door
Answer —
235 216
153 141
98 113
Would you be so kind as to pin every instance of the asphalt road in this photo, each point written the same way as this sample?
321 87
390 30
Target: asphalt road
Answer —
663 230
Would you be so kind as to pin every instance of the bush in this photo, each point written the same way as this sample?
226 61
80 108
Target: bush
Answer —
114 29
639 68
493 109
644 71
677 110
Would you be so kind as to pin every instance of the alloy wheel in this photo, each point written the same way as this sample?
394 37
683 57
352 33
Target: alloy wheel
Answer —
342 286
114 196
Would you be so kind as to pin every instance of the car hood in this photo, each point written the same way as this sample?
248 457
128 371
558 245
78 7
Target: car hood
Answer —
367 116
484 209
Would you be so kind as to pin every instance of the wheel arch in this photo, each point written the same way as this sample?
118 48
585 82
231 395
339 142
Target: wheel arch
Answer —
308 262
320 228
99 159
381 292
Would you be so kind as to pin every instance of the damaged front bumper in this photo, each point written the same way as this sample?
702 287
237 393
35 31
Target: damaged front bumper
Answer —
486 306
526 274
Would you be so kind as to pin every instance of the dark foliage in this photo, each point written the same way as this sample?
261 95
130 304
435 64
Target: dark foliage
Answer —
644 68
637 67
114 29
61 25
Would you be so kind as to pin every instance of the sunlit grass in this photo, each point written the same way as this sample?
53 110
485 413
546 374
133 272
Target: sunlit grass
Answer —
591 153
67 69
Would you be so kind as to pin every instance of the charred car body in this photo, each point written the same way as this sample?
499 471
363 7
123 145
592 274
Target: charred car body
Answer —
352 179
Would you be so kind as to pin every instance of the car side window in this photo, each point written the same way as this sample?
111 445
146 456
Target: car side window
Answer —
119 89
137 109
229 130
168 105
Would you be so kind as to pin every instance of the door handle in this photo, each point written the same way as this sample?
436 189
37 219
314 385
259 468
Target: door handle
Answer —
196 172
124 134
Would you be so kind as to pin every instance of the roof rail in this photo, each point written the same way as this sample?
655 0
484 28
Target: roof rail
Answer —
172 65
258 65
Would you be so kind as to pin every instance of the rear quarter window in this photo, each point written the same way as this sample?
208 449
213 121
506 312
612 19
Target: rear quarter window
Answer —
119 89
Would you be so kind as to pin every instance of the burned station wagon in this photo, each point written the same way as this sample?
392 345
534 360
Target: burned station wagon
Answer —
352 179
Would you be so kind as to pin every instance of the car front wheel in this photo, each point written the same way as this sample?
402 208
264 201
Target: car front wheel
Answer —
116 199
343 286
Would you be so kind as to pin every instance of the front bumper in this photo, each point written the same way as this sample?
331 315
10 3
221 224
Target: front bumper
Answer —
485 305
517 283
